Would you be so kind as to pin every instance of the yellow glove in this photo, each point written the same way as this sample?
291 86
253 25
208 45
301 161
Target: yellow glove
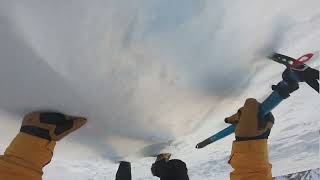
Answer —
50 125
247 123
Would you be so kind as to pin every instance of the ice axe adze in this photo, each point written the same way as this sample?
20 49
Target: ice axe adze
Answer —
296 72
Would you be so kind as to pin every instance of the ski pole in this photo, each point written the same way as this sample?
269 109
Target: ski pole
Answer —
288 85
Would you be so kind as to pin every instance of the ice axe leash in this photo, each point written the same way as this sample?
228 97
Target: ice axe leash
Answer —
295 73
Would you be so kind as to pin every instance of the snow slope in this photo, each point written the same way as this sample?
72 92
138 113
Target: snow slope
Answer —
305 175
155 76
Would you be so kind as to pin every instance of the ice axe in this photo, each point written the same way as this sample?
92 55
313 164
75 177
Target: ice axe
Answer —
296 72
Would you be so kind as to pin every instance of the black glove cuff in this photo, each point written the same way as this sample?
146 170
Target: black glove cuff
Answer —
265 135
36 131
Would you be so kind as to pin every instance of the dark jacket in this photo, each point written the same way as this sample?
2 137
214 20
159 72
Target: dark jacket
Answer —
124 171
172 170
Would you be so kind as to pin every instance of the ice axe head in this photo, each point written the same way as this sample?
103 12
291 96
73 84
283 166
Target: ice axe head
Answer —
308 75
291 79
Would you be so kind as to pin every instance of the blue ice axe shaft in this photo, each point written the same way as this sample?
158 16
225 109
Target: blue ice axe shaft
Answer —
265 108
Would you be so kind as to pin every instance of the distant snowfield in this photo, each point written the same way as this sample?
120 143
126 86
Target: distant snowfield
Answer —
310 174
155 73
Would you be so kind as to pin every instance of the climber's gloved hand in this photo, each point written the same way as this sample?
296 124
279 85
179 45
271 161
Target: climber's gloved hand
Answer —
52 126
248 126
160 167
164 168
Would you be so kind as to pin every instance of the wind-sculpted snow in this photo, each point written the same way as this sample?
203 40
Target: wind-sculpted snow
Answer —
144 73
313 174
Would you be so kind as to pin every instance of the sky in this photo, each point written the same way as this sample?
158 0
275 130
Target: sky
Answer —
143 72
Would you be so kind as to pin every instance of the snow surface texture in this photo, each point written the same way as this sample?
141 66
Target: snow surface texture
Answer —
305 175
155 74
